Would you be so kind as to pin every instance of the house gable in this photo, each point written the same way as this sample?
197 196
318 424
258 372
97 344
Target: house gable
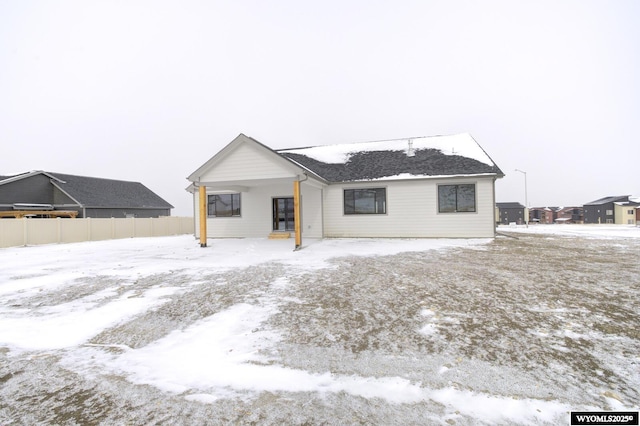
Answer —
244 160
28 188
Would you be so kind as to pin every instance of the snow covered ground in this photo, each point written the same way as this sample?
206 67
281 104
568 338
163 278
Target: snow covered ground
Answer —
345 331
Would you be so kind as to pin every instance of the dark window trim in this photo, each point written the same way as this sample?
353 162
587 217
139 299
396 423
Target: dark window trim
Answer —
475 198
344 198
211 214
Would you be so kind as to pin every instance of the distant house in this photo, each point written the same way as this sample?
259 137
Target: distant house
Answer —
511 213
36 193
439 186
542 215
603 210
625 212
569 215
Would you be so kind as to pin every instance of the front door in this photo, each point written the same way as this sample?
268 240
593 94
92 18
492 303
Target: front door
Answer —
283 214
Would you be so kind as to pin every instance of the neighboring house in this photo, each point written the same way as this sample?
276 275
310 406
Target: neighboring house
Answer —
439 186
625 212
569 215
542 215
40 192
603 210
512 213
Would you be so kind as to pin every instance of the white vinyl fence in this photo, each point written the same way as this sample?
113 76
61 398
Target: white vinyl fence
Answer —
20 232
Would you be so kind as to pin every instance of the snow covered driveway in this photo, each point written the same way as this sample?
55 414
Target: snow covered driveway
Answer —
160 331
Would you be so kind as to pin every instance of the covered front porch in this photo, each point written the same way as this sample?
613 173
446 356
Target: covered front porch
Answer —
265 208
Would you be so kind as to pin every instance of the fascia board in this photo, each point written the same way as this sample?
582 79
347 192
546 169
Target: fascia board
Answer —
28 175
240 139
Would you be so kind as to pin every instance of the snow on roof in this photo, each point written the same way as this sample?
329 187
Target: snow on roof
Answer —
412 158
461 144
563 219
629 203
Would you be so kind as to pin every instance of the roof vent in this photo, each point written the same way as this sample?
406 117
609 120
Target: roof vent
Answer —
410 150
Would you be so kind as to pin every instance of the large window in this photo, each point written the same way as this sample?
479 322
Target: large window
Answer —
456 198
223 205
365 201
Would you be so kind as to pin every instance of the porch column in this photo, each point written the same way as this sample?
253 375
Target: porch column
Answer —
296 213
203 215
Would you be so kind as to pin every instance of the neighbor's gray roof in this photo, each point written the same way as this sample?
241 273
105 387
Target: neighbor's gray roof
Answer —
457 155
607 200
106 193
509 205
98 192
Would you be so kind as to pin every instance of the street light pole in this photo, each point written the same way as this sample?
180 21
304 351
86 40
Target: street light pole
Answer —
526 201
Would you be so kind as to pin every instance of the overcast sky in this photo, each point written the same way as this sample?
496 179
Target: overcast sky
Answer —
149 90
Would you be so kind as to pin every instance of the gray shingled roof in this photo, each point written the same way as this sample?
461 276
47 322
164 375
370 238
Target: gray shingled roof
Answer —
607 200
98 192
385 159
380 164
512 205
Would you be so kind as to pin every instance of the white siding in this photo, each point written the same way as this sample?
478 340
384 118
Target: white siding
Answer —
249 162
311 225
256 220
622 215
412 211
196 214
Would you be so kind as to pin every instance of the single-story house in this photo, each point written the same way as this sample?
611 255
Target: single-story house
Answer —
48 194
438 186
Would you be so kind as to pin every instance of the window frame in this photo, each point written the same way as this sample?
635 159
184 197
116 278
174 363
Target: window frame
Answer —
213 214
364 189
457 205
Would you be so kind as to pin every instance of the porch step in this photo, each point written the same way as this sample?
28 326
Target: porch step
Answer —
279 235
